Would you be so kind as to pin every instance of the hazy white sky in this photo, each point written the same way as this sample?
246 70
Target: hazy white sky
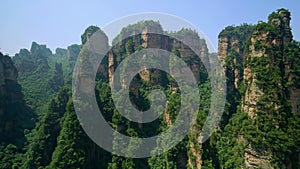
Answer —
60 23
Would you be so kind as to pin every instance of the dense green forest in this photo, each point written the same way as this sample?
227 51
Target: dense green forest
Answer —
260 126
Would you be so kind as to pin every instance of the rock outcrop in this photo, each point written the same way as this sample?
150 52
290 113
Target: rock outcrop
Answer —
265 47
231 53
36 67
168 43
260 42
15 116
259 73
152 36
8 71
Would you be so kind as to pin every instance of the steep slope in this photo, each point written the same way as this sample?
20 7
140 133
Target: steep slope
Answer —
260 127
41 72
264 130
16 118
231 52
43 138
58 141
152 36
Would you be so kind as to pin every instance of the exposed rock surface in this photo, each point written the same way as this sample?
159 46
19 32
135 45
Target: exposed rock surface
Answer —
262 37
246 58
152 40
15 116
7 70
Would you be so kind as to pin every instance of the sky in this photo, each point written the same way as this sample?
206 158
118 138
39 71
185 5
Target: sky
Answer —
61 23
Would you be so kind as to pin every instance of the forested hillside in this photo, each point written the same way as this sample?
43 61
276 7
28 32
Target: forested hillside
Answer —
260 126
16 118
41 72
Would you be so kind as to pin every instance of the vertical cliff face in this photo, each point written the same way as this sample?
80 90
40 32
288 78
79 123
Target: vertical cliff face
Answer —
228 46
253 92
231 52
153 38
8 71
150 41
264 74
289 48
111 68
192 49
266 46
15 116
72 52
259 65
